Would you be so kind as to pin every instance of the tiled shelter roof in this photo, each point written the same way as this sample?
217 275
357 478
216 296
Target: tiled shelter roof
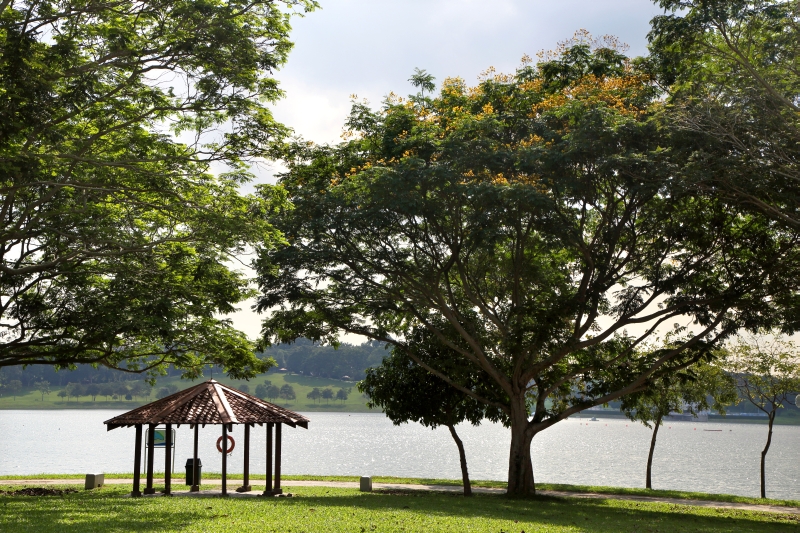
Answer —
209 402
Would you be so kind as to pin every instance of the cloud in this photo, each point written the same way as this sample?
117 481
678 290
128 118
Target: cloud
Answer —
371 47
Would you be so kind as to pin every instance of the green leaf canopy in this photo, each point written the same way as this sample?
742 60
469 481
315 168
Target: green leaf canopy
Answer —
537 214
117 234
732 68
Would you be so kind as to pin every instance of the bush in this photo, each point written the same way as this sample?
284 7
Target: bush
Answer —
273 392
342 394
287 392
328 395
314 394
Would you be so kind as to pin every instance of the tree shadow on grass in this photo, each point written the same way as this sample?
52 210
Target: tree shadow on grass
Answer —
76 514
107 510
600 516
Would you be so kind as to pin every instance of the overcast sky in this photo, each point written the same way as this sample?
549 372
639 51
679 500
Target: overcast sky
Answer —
371 47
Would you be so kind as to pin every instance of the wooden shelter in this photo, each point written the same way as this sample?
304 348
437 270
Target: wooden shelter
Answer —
209 403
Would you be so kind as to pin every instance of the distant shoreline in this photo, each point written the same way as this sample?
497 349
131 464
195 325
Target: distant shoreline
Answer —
786 420
127 406
350 409
31 399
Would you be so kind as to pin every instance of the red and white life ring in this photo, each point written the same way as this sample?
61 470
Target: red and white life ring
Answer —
229 450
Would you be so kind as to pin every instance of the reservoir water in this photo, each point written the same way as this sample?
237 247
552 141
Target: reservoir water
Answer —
695 456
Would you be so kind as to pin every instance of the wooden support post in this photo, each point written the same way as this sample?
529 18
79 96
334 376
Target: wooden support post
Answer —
277 489
151 437
268 486
137 462
224 459
195 467
246 482
168 462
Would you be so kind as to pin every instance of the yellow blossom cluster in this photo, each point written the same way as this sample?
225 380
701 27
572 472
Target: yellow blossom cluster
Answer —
583 37
613 92
499 179
475 92
453 86
503 179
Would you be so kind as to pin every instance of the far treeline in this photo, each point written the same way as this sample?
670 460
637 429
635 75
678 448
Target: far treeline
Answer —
347 362
589 228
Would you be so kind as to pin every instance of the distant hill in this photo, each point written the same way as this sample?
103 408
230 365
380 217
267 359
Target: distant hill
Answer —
348 362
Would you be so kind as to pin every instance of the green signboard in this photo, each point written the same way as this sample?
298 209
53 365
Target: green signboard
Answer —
160 438
159 441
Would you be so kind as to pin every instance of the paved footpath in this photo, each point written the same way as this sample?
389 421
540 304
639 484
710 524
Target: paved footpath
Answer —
440 488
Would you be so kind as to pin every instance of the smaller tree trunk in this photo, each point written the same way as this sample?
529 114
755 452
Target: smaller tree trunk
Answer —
463 457
764 456
649 478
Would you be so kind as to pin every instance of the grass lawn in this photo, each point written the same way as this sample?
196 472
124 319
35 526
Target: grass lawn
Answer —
355 403
676 494
328 509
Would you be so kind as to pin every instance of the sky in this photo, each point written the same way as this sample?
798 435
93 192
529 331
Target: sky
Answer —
370 48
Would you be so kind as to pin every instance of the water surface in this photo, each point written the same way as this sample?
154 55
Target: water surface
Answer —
609 452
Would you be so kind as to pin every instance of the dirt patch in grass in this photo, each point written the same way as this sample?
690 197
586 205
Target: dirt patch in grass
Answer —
36 491
395 492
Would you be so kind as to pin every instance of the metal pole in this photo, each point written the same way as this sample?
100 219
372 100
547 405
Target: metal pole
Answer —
151 438
224 459
278 458
246 484
268 486
195 468
247 456
167 462
137 462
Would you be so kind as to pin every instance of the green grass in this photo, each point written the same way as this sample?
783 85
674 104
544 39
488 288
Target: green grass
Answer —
326 509
31 399
677 494
316 509
681 495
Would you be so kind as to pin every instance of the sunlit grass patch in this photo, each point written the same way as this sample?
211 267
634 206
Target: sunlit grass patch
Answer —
315 509
625 491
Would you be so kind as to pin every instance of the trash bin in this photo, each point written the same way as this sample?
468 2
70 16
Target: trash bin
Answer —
190 471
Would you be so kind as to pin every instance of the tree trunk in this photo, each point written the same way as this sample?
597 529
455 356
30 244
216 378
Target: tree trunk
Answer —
764 456
520 468
463 457
649 479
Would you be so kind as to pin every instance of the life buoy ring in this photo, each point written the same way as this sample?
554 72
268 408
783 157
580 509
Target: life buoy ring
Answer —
229 450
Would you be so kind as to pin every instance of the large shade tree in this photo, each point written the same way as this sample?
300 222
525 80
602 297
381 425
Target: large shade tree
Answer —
732 68
537 215
116 237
